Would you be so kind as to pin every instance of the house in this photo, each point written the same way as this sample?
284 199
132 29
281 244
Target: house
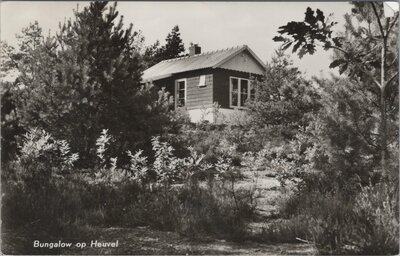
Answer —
199 80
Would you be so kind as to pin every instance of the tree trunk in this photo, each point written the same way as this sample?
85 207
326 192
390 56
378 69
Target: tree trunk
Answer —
383 128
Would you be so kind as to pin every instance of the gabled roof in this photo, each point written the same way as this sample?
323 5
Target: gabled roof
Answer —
167 68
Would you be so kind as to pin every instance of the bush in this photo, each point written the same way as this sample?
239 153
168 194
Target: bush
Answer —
368 224
192 210
43 189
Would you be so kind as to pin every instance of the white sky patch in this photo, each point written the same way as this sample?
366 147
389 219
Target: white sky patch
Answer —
390 8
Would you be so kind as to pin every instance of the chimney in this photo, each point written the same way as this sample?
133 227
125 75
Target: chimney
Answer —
194 49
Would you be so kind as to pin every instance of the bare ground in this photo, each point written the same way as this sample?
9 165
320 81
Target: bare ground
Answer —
150 242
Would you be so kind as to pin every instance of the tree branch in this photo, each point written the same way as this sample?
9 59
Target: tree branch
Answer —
394 22
378 18
394 61
390 79
387 27
339 49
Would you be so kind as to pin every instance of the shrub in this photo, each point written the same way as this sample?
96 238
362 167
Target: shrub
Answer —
369 226
183 194
31 180
194 211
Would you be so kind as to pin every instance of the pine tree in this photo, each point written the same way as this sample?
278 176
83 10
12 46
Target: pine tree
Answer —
88 78
173 48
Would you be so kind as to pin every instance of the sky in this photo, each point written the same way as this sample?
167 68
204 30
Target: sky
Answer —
212 25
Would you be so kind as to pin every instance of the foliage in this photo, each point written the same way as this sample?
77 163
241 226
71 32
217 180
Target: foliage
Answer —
331 165
88 80
10 127
33 176
366 52
360 57
165 169
165 193
173 48
344 166
377 210
284 98
367 226
174 45
44 157
315 28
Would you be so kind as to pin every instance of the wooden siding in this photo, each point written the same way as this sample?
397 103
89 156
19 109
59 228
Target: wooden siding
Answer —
196 97
216 89
244 62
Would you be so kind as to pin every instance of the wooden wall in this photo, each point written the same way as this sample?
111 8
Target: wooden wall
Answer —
221 84
216 89
197 97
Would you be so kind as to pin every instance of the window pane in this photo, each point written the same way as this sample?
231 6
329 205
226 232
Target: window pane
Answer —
244 85
234 82
234 92
181 85
252 92
244 90
181 94
180 97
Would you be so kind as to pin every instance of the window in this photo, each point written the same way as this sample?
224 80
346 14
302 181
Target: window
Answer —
234 92
202 81
244 91
240 91
180 94
252 92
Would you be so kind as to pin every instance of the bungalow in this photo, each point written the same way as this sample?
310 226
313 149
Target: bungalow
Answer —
199 80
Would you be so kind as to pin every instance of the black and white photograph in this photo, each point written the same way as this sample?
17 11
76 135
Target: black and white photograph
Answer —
199 127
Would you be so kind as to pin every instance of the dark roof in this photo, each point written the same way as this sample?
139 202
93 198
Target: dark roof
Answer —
167 68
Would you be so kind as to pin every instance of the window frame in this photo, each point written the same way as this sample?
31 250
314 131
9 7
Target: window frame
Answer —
177 92
249 85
